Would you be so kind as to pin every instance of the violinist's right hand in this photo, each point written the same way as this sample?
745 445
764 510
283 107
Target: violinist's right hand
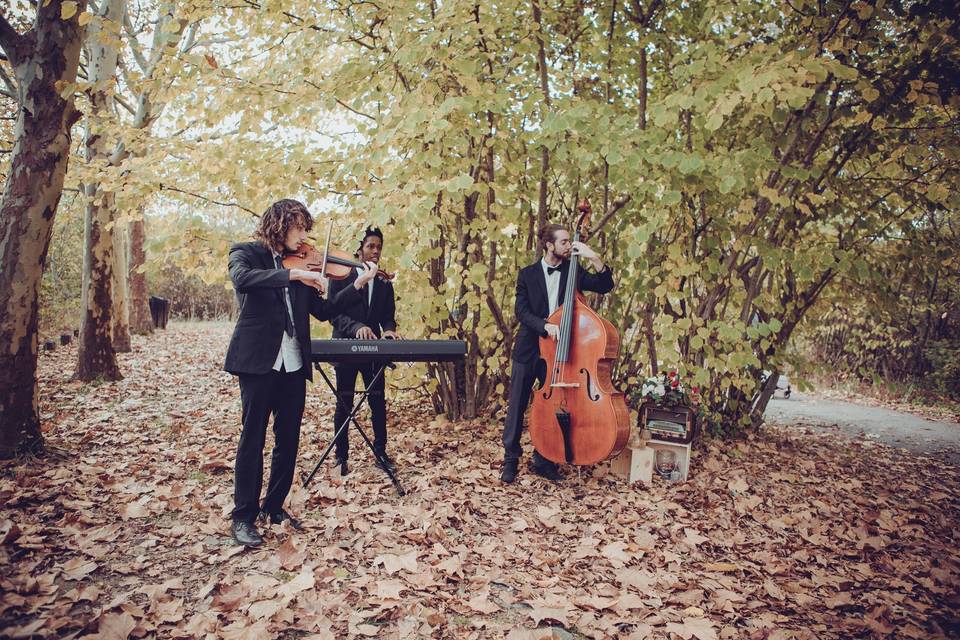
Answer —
313 279
552 330
365 277
366 333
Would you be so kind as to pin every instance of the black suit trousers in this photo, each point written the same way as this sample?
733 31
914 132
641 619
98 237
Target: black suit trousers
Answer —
283 395
522 377
346 377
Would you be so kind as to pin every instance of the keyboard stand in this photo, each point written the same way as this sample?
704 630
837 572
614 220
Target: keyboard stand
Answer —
346 423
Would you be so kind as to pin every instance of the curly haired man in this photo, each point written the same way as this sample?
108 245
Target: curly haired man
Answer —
270 354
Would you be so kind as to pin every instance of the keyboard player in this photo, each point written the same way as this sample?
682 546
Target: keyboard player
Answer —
372 317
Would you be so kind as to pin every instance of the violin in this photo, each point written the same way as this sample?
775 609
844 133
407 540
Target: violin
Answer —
578 417
334 263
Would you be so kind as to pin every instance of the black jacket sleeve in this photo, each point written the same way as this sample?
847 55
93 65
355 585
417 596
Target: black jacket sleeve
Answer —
343 323
247 275
389 319
601 282
522 308
330 308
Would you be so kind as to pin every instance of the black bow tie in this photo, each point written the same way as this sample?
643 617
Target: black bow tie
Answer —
552 270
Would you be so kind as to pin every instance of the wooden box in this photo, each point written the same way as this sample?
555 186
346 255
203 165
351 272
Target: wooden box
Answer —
634 464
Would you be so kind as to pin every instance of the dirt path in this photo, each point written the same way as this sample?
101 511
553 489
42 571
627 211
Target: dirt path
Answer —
894 428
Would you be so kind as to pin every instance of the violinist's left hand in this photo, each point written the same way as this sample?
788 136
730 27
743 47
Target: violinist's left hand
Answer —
391 335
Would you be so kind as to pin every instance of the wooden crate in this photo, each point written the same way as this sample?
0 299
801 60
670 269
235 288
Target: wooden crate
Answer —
635 464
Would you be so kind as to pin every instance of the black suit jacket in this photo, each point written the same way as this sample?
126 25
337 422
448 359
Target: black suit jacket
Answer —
533 307
379 315
259 285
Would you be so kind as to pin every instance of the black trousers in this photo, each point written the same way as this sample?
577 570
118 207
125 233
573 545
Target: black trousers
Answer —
346 378
283 395
522 377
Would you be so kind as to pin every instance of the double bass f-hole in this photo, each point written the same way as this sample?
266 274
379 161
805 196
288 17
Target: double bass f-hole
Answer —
592 393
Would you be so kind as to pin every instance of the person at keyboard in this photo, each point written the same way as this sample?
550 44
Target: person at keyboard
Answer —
371 317
270 353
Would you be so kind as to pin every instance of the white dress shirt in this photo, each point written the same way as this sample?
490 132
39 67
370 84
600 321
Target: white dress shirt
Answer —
289 355
553 285
369 288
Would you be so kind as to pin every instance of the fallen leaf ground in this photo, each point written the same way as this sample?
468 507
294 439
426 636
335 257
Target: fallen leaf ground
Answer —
122 531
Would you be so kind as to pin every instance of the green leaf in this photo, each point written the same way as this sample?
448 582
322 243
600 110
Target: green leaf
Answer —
671 198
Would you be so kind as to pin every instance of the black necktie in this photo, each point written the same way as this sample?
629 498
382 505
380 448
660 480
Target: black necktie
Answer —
552 270
288 320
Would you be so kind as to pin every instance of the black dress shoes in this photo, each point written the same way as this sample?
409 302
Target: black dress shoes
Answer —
281 517
344 468
509 472
546 470
246 533
386 463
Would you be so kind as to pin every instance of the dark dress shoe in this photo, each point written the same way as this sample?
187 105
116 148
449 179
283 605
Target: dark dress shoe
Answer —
509 472
281 517
246 533
386 463
344 468
546 470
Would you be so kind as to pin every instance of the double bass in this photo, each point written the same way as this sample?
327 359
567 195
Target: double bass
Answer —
577 416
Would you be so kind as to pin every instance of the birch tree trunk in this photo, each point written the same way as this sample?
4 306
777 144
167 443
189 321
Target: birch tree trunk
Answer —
43 61
121 308
141 322
96 357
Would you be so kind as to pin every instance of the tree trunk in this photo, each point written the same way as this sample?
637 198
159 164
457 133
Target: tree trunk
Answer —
42 60
96 357
545 88
164 39
121 307
141 322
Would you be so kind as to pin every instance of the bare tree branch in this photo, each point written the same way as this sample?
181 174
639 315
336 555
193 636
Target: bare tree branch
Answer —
10 40
351 109
12 88
618 204
164 187
120 100
133 43
189 37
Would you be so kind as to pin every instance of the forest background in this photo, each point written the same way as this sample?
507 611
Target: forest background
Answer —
774 184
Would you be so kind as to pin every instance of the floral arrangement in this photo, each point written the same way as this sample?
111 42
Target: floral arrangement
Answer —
667 389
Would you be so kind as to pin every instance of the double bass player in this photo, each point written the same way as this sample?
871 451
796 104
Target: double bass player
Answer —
540 289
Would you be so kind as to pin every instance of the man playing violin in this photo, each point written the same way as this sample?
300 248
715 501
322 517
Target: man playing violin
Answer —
270 353
371 317
540 289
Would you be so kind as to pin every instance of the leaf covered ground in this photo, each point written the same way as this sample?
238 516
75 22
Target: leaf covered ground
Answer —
122 529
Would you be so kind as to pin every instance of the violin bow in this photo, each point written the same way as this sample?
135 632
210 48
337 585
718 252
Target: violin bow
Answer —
326 249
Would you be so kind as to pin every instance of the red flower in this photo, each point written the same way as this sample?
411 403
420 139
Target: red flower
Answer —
672 374
696 389
675 383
